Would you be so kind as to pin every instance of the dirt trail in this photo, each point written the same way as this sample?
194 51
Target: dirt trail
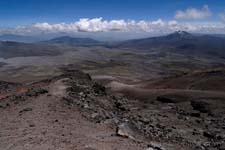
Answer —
46 123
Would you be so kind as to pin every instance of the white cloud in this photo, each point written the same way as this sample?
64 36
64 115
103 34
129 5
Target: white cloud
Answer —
173 23
158 22
222 17
193 13
87 25
101 25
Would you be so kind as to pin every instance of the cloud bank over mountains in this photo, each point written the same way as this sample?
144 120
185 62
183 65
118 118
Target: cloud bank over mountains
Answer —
183 20
101 25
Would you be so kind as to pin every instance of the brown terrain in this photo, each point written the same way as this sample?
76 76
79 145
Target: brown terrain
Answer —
159 93
39 118
71 111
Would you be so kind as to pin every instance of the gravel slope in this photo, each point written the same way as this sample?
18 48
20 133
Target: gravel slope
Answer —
46 123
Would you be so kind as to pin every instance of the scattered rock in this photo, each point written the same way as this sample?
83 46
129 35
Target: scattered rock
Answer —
222 147
167 121
94 115
208 134
149 148
32 125
120 106
113 121
4 105
1 106
125 130
89 148
196 114
86 106
26 109
99 89
17 98
156 146
36 92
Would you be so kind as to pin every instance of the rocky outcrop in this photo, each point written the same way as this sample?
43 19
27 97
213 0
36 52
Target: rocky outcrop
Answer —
169 119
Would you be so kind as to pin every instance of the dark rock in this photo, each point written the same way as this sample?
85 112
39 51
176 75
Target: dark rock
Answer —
99 89
26 109
17 98
4 105
119 106
31 125
165 99
36 92
222 147
1 105
201 106
196 114
76 88
206 144
223 127
208 135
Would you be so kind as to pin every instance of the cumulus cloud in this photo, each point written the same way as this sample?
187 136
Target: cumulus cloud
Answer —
193 13
101 25
94 25
158 22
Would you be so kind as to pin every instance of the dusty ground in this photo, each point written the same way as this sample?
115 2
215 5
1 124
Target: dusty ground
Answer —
46 123
72 111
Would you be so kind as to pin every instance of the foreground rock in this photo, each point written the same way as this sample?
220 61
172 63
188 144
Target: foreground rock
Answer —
172 121
176 120
38 117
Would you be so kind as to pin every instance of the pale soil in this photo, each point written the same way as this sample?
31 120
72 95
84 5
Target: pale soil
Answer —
52 125
141 93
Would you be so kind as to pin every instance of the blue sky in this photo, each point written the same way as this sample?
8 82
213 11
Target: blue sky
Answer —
26 13
22 12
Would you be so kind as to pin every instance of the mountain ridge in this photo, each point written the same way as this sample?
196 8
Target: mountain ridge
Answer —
19 38
179 42
9 49
72 41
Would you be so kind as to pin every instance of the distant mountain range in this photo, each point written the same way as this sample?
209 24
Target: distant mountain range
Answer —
19 38
179 42
53 47
71 41
16 49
